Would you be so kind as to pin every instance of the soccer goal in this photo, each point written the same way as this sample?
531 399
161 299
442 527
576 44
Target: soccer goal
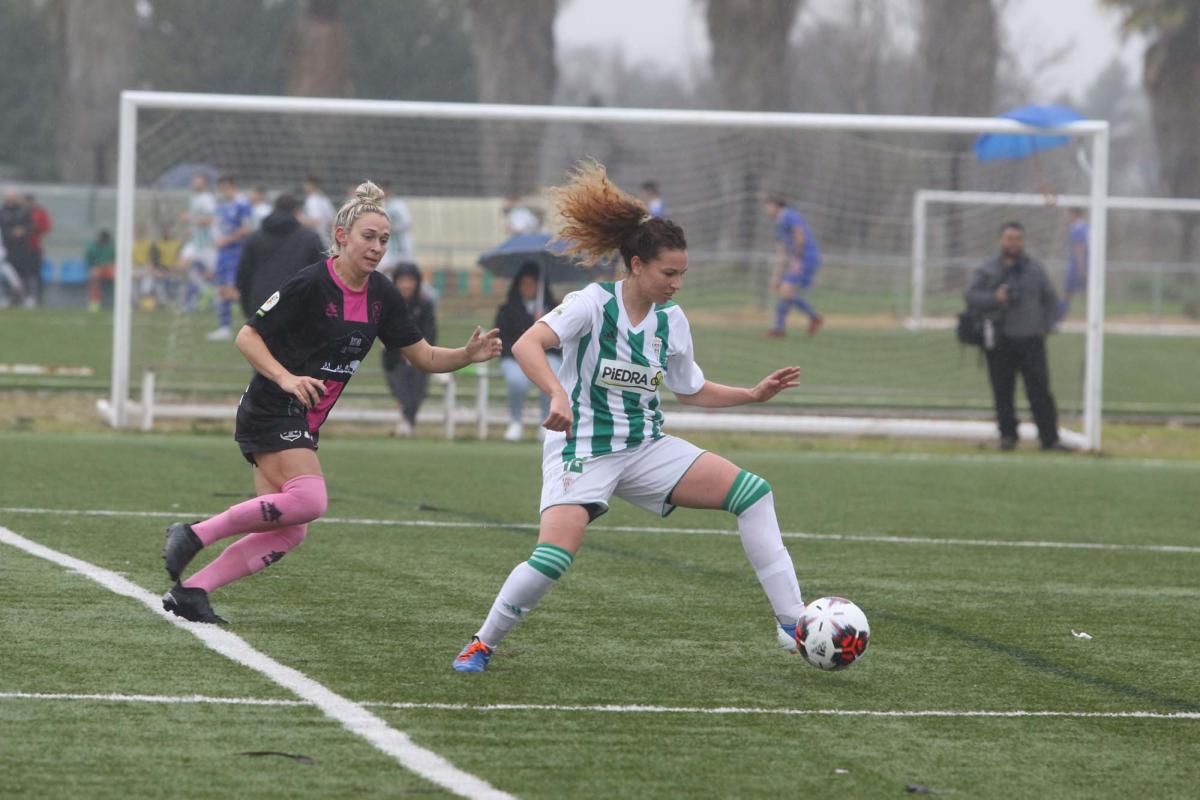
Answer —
853 177
1144 269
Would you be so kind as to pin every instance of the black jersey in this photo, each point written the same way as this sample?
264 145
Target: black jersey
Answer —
317 326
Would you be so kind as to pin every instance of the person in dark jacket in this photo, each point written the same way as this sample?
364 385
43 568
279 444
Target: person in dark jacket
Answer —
1014 295
407 383
513 318
17 234
276 251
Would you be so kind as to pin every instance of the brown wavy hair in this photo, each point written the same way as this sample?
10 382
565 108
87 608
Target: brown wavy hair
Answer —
598 219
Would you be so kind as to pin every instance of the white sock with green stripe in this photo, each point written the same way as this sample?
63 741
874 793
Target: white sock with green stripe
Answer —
750 498
523 590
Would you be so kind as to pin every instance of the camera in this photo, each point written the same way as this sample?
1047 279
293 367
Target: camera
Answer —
1014 294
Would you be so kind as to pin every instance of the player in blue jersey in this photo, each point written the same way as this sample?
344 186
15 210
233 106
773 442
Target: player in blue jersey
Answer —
652 197
798 259
621 342
1077 259
305 344
233 221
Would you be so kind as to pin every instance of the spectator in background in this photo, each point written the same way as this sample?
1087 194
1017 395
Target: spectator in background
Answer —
1077 259
100 258
277 250
518 218
234 216
653 200
400 246
407 383
16 233
318 210
14 286
42 224
798 259
518 313
161 278
260 206
199 255
1014 295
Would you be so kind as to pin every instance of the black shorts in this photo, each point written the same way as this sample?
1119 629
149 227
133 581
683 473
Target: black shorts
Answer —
260 433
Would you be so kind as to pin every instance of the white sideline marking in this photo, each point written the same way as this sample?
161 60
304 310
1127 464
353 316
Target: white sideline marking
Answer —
352 716
612 709
851 538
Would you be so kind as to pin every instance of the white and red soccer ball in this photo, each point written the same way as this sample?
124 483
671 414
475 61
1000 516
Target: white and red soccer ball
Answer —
832 633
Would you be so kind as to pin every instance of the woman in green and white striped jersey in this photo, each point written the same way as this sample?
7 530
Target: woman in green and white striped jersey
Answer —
621 342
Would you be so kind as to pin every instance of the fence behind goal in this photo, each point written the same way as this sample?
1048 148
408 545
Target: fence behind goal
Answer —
853 177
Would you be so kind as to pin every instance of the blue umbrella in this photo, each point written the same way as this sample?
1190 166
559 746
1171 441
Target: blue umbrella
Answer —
1009 146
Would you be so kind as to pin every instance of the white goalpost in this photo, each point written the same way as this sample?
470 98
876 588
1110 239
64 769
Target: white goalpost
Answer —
923 199
858 178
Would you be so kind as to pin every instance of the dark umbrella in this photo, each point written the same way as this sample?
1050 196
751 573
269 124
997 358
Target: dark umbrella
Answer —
180 176
505 260
554 265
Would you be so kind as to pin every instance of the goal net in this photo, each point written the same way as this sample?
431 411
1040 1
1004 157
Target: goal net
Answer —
852 177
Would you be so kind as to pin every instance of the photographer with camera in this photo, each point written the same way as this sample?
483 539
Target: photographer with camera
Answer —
1014 295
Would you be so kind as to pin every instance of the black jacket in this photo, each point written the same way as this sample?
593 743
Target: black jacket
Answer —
1034 309
16 228
513 318
423 314
272 255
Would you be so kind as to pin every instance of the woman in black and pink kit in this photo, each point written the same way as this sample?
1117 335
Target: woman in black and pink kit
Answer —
305 343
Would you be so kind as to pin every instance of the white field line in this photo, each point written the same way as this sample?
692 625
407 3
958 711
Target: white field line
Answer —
820 537
353 716
610 709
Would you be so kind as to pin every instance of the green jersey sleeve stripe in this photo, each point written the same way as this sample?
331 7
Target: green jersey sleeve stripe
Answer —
569 448
663 334
633 400
602 418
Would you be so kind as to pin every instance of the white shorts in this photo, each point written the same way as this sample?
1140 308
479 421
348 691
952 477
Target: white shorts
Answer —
644 476
205 256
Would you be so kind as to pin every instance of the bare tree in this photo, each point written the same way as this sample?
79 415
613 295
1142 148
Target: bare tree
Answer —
1171 76
959 43
513 44
750 45
319 50
749 56
98 41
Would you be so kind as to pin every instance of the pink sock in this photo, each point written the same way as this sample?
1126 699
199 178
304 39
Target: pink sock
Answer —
302 500
247 556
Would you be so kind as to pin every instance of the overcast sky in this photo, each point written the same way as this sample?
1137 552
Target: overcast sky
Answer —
672 33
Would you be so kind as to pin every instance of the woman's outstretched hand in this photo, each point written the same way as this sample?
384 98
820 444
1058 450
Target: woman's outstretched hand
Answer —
483 346
776 382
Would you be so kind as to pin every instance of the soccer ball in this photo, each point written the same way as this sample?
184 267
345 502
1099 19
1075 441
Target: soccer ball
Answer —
832 633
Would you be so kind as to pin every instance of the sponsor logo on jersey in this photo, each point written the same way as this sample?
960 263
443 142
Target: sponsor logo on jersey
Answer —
340 369
331 310
628 377
272 301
